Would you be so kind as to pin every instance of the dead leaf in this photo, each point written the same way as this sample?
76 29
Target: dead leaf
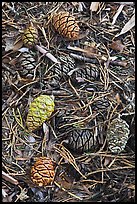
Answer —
131 186
3 3
6 60
17 45
117 14
130 24
117 45
8 198
107 161
90 50
9 44
94 6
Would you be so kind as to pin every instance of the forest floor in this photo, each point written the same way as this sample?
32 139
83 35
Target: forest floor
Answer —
91 99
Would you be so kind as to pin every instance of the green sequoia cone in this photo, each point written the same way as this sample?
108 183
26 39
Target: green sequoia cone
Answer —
39 111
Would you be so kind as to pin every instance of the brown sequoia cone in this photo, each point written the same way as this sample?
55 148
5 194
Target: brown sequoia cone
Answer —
42 173
66 25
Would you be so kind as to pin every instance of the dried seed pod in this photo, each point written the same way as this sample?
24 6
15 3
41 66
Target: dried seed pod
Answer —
30 36
66 25
42 172
27 65
81 140
39 111
61 70
117 135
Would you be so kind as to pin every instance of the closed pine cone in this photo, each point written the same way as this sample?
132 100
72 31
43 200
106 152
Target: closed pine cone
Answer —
27 65
61 70
40 110
117 135
66 25
42 172
30 36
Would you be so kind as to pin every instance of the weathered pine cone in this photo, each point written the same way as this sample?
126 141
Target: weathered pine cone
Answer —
30 36
117 135
81 140
61 70
39 111
27 65
42 172
101 104
66 25
87 72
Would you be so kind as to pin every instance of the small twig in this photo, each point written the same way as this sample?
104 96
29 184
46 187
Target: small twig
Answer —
46 53
73 88
113 169
9 178
55 92
19 121
125 3
95 61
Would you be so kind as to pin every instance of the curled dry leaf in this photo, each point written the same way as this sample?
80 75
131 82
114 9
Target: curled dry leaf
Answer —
9 44
17 45
117 45
107 161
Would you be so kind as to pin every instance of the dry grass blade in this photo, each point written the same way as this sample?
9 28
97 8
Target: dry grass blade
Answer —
18 120
128 26
117 14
